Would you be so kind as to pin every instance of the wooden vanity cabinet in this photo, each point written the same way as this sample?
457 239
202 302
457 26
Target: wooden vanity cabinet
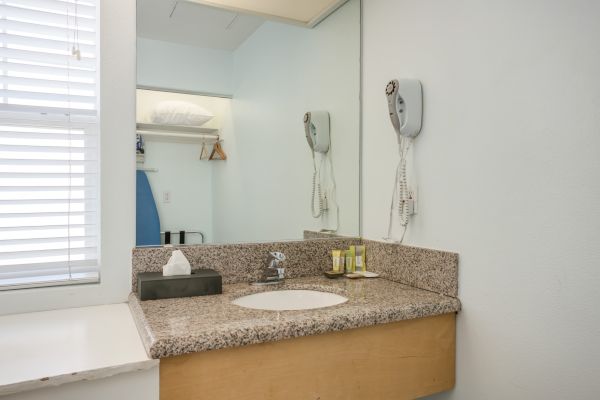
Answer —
400 360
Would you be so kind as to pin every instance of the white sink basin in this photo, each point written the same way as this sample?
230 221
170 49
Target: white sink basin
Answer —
288 300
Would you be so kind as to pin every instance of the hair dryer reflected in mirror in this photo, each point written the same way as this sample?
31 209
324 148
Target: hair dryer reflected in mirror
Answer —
317 131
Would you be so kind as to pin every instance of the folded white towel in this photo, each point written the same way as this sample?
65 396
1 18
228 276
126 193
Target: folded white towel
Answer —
177 265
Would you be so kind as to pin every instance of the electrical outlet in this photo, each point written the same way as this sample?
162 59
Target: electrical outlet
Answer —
166 196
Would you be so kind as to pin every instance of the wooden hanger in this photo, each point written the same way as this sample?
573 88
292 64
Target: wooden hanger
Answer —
204 154
219 151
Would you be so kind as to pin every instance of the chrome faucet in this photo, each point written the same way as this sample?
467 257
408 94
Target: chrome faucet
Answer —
272 272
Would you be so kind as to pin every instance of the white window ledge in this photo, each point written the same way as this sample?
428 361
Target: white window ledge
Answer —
50 348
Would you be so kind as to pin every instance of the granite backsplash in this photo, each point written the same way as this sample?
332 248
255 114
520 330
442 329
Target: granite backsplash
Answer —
427 269
243 262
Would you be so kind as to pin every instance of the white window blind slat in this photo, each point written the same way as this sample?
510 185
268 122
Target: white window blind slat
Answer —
10 132
50 154
57 177
42 192
6 203
48 83
19 270
56 99
50 45
65 249
44 267
87 37
23 231
51 206
84 8
52 280
29 56
40 219
46 164
48 237
49 170
79 146
44 170
23 68
21 11
49 275
45 113
36 274
26 180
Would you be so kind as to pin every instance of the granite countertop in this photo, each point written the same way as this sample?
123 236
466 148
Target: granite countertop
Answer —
172 327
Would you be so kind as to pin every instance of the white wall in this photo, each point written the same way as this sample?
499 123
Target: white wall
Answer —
508 167
117 111
183 67
188 181
138 385
280 72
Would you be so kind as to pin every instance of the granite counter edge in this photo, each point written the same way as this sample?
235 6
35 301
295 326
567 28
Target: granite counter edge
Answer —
273 332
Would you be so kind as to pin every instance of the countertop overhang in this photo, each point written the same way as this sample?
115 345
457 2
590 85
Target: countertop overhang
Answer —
172 327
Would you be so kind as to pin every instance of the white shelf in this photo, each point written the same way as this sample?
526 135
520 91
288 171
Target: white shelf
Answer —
176 128
176 133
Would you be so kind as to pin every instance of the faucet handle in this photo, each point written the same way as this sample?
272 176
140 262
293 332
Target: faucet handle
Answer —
272 271
277 255
274 259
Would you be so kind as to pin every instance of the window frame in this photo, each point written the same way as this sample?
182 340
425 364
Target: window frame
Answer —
50 120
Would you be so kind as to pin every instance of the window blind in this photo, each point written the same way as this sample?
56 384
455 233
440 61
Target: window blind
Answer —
49 168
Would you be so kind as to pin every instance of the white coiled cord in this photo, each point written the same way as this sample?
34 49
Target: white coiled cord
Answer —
324 200
317 192
401 195
331 194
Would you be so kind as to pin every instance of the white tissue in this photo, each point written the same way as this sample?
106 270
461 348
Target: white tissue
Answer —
177 265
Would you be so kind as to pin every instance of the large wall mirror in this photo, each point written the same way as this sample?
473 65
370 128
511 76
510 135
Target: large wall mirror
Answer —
248 128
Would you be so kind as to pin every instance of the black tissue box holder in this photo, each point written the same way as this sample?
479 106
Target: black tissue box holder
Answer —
202 282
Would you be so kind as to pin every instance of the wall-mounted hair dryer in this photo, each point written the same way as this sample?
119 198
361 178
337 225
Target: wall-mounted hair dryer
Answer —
316 128
405 106
405 103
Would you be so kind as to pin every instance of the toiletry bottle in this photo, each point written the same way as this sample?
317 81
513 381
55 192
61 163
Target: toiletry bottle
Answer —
352 251
349 262
336 255
361 266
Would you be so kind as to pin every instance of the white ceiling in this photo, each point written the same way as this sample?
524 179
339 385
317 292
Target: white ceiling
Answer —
299 12
194 24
